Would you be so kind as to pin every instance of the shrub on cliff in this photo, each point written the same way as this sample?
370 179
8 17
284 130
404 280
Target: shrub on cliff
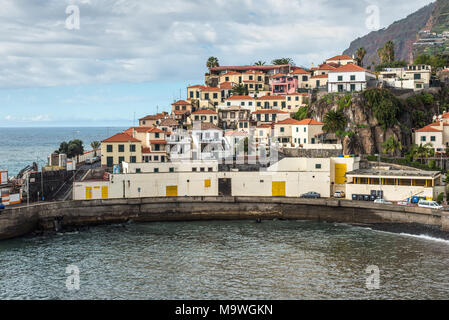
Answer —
386 107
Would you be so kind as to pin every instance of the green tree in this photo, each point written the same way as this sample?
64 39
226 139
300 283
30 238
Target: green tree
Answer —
421 151
360 53
240 90
95 145
391 146
212 62
72 148
282 61
386 53
301 114
335 122
259 63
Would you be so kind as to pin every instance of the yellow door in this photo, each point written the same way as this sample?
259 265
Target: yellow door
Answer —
207 183
171 191
104 192
88 193
340 171
278 188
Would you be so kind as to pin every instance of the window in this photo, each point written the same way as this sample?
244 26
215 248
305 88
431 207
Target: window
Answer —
259 104
283 104
305 140
282 129
171 170
121 148
191 94
297 129
340 78
156 135
133 159
156 147
313 140
289 98
317 83
423 138
202 169
432 138
226 79
418 86
210 169
352 78
109 148
121 159
352 87
132 148
228 103
250 77
275 104
215 95
206 96
194 169
297 98
138 170
246 124
156 158
318 166
156 170
304 78
417 76
110 161
259 78
305 129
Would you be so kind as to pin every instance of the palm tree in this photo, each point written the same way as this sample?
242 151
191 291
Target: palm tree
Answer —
212 62
334 121
421 151
391 145
95 145
240 90
360 52
389 51
259 63
283 61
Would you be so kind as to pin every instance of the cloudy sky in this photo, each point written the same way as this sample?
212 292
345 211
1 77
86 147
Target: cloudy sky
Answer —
130 58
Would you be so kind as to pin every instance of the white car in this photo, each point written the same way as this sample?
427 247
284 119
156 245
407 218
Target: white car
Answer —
339 194
382 201
430 204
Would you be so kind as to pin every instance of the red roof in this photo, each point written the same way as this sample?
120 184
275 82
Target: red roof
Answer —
326 67
428 129
155 117
350 67
180 111
268 111
204 111
288 121
231 73
155 130
121 137
240 98
181 102
196 86
340 57
158 141
278 75
267 125
137 129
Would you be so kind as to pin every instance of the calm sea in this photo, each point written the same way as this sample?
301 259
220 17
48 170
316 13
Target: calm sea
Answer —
225 260
20 147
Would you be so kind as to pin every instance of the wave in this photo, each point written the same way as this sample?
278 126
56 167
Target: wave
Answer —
425 237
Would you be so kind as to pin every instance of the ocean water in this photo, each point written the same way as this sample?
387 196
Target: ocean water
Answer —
225 260
20 147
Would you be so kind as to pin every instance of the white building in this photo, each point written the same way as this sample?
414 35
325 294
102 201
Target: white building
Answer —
349 77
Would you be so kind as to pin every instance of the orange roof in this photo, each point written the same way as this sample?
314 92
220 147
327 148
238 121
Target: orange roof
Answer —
181 102
288 121
240 98
267 125
155 117
231 73
445 115
196 86
180 111
158 141
340 57
428 129
350 67
210 89
156 130
310 122
268 111
205 111
277 75
121 137
137 129
326 67
271 98
226 85
320 76
300 71
236 133
298 94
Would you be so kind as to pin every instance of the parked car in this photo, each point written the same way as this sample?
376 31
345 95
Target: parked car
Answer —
406 203
91 160
2 206
311 195
430 204
382 201
339 194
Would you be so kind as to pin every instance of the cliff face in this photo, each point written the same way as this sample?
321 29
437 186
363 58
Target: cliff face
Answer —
403 33
366 117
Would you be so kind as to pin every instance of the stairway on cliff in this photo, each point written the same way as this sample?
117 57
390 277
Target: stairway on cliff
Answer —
65 191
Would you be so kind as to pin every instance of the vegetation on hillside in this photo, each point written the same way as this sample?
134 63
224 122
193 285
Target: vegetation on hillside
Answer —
72 148
386 107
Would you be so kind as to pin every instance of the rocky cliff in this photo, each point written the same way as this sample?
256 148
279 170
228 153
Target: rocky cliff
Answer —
403 33
378 114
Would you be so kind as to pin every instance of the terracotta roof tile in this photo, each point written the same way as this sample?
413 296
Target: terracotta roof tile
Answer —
121 137
205 111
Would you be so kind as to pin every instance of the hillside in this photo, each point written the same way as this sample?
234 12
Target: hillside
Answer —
403 33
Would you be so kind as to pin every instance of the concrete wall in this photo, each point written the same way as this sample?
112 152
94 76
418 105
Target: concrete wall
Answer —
19 221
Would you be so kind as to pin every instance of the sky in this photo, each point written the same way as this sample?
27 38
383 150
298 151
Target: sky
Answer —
110 62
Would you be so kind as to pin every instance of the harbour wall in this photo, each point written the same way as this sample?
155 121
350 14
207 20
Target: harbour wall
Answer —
19 221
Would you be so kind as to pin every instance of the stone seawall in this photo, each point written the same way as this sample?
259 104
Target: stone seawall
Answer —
20 221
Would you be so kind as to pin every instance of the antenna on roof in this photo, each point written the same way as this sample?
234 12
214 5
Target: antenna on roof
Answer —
134 119
157 109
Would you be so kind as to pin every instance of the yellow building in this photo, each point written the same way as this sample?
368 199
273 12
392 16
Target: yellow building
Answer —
120 147
318 81
233 77
341 60
271 102
204 115
295 101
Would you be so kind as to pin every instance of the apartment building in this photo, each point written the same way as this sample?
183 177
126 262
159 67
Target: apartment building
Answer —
349 77
119 148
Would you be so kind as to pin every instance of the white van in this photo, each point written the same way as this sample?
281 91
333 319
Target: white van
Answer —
430 204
